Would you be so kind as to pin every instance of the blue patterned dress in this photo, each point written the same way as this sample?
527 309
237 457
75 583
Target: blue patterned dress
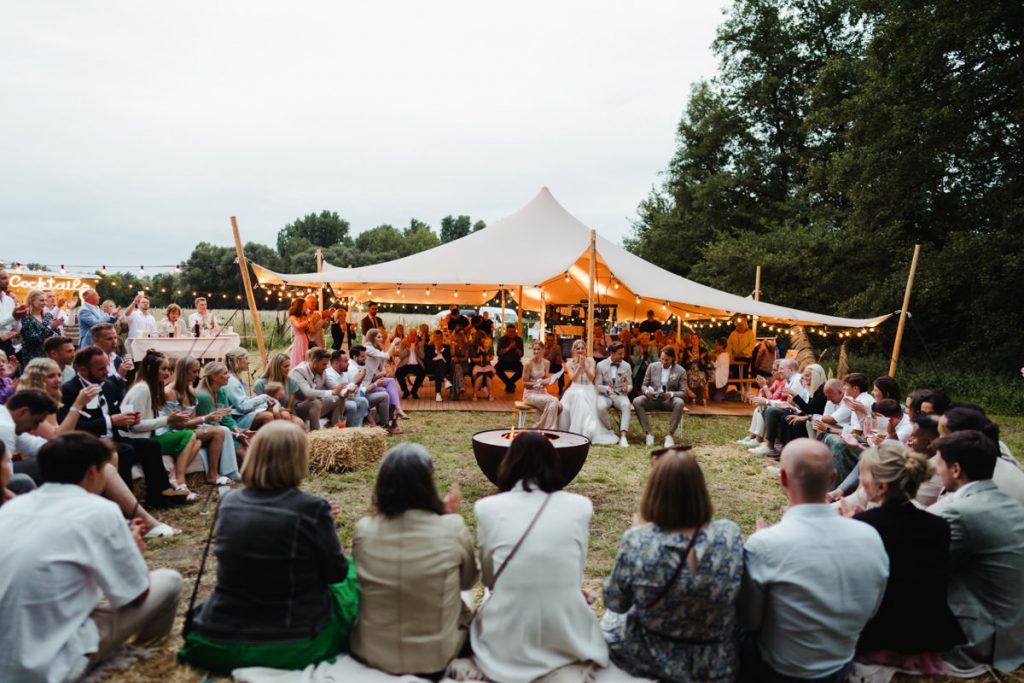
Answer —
690 634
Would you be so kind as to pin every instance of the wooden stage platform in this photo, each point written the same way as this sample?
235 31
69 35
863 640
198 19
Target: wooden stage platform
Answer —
501 404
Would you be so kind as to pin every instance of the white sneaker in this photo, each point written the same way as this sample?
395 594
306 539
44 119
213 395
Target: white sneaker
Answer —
623 442
745 441
437 398
773 470
669 441
649 439
750 443
162 530
762 450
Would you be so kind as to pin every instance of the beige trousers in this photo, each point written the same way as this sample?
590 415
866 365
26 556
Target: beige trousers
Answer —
148 621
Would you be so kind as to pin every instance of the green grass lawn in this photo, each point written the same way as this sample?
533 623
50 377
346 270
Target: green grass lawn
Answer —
612 478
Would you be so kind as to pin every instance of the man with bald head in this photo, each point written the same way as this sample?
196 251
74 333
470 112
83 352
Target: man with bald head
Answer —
810 582
91 314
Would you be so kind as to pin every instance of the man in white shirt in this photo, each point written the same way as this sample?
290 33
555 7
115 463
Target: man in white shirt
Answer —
844 451
810 582
721 370
614 382
80 543
50 306
24 412
141 322
775 413
314 397
204 317
10 316
373 391
356 406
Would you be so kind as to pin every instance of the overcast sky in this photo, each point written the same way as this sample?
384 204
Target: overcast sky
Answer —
130 131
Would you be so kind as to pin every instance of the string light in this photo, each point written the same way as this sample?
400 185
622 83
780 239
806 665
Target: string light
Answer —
567 276
103 270
142 271
62 271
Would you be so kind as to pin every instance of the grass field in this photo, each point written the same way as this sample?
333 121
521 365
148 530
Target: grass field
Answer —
612 478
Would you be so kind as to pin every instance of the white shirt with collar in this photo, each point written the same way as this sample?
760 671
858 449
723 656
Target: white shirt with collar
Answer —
865 399
99 401
139 322
336 379
810 584
62 550
7 322
207 323
25 443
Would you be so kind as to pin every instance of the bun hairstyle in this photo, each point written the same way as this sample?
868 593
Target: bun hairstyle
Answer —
902 469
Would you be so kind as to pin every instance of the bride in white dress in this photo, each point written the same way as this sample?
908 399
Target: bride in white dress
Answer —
579 403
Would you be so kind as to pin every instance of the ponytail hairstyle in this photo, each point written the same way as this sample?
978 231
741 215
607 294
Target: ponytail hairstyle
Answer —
902 469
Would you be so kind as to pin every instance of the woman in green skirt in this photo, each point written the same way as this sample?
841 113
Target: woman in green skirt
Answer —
146 397
286 596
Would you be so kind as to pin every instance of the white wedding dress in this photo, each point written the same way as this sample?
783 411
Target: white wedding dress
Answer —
579 411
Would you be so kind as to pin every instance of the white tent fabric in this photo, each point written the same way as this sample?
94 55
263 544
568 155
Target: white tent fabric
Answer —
543 249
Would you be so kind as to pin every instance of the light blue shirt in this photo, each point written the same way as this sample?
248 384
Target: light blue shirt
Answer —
239 400
810 584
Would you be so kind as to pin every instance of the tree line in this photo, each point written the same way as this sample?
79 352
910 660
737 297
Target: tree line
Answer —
838 134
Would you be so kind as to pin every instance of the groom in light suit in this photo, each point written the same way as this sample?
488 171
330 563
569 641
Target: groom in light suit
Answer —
664 388
614 382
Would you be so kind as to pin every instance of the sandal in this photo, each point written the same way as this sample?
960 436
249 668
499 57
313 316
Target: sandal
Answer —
162 530
190 496
222 481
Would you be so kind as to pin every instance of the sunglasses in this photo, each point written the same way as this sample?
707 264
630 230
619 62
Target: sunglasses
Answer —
655 454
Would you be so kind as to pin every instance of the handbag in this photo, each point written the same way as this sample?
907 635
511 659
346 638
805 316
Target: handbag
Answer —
187 627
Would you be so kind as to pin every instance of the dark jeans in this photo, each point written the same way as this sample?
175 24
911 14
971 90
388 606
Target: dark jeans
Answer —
439 370
753 669
773 418
510 362
417 370
145 452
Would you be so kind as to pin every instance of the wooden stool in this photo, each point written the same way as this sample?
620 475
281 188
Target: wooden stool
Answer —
519 413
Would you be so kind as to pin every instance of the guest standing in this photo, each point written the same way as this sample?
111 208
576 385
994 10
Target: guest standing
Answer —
371 321
672 593
285 595
91 314
36 327
343 333
300 330
412 558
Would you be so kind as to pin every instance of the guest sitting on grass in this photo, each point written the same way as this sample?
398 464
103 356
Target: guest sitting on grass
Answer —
285 595
63 549
536 618
412 558
671 597
914 624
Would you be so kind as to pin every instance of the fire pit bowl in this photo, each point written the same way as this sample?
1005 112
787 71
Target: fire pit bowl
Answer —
490 446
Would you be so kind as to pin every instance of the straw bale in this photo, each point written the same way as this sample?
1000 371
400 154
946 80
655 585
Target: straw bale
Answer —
337 450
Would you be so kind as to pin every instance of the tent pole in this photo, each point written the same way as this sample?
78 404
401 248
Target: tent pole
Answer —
757 295
903 312
590 295
543 334
519 317
257 324
502 309
320 269
679 326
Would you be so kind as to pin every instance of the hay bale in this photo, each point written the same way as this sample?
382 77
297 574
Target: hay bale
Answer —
337 450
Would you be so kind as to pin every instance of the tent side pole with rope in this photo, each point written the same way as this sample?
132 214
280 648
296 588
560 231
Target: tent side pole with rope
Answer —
903 312
590 294
244 268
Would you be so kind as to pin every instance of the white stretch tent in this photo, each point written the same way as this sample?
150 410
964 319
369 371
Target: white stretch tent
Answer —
545 250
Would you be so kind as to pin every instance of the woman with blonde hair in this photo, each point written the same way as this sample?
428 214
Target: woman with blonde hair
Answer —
376 368
212 399
250 412
277 371
795 426
220 463
44 374
36 326
672 593
914 624
285 596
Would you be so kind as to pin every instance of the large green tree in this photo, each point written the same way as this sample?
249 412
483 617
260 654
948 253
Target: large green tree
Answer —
837 135
324 229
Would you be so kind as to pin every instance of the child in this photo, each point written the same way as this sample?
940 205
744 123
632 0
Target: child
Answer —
275 390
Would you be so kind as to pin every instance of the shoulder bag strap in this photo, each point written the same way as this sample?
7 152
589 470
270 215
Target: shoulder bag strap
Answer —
187 625
522 538
683 562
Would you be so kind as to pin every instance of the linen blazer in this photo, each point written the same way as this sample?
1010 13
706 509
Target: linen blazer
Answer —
676 380
608 377
411 568
986 585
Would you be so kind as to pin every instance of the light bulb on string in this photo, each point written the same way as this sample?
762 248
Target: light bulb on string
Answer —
62 271
103 270
638 299
142 271
177 268
567 276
